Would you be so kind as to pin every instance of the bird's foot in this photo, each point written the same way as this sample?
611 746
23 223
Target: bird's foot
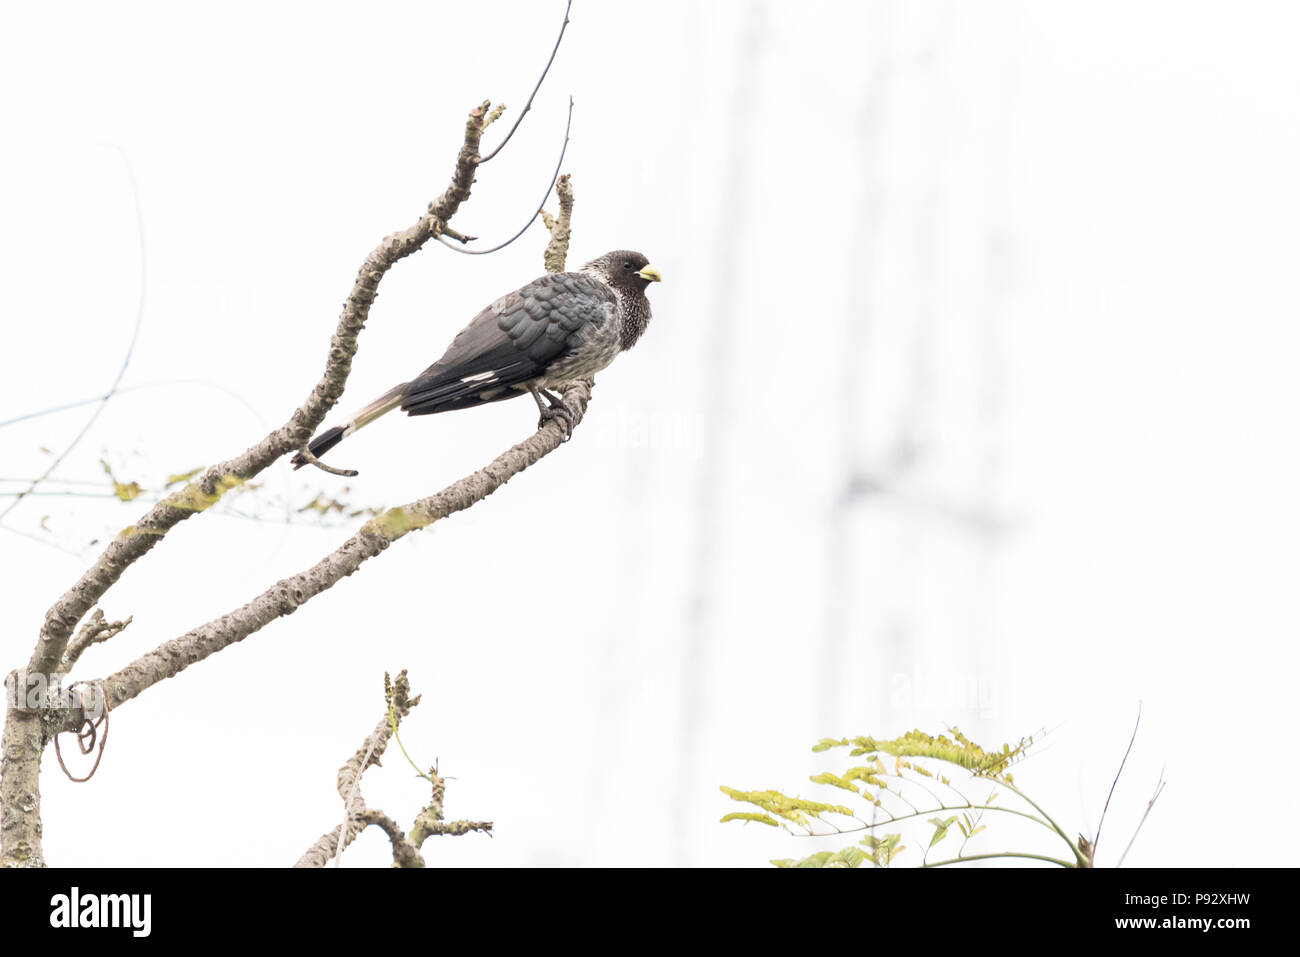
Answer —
558 413
553 410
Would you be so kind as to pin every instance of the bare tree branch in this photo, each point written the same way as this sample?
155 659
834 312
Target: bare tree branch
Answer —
27 730
406 851
349 777
284 597
452 829
172 657
201 494
557 250
429 822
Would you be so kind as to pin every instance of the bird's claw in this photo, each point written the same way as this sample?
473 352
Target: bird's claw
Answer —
557 413
553 409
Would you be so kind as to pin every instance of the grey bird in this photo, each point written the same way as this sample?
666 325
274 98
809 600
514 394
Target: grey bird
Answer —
557 329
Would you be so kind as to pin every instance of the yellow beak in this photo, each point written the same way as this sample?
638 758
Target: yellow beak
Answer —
650 274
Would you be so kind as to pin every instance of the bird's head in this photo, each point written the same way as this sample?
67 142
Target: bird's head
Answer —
624 269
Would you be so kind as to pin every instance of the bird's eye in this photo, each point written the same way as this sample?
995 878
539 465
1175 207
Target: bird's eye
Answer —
627 264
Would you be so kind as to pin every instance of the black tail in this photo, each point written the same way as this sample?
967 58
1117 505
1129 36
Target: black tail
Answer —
320 445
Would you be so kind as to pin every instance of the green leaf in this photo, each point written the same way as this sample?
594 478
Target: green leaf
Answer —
848 857
749 816
941 829
182 477
827 777
123 490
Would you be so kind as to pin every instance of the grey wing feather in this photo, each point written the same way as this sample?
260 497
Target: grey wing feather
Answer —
512 342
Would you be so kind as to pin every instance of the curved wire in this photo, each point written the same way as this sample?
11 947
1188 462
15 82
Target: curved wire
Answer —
533 218
540 79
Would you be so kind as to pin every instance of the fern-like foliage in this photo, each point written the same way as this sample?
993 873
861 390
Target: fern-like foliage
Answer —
909 788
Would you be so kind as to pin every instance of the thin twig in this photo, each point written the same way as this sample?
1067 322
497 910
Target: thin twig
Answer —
66 493
429 822
529 105
126 361
533 218
1160 786
309 459
459 237
41 541
1092 851
93 631
207 383
55 408
998 855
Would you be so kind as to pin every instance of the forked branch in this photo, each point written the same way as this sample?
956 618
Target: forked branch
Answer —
29 728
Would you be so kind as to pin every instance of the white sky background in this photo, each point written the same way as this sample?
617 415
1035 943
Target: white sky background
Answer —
1022 275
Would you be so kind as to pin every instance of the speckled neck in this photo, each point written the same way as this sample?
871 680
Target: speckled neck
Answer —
635 308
